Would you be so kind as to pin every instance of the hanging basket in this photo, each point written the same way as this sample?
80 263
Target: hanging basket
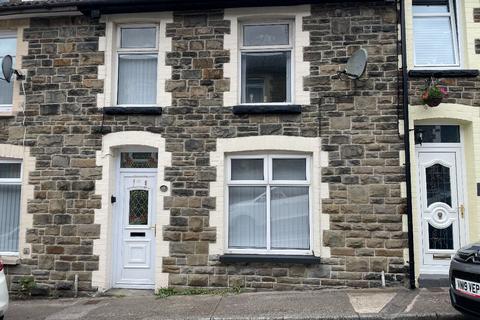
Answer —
433 93
433 102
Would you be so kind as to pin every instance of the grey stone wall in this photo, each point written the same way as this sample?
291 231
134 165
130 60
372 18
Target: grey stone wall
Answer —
60 121
357 124
359 129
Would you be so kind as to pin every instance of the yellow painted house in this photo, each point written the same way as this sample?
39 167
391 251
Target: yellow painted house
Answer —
443 47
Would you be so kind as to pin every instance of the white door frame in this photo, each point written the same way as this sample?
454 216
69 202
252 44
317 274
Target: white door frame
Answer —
118 213
458 149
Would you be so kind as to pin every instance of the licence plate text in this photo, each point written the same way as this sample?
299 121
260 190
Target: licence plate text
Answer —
468 287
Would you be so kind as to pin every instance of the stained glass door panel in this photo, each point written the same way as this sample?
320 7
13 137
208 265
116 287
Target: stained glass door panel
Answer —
439 206
138 207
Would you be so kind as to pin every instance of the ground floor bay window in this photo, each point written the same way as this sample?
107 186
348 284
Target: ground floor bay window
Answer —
269 204
10 195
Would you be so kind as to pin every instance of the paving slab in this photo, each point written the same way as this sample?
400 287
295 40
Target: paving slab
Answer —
37 309
301 305
370 302
429 301
146 308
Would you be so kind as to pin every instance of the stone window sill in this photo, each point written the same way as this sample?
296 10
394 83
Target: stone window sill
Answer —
151 110
10 260
8 114
267 109
452 73
294 259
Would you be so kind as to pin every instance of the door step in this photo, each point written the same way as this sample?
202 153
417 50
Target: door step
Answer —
117 292
433 280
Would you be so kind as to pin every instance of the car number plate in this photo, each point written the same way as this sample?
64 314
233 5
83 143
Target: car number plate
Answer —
468 287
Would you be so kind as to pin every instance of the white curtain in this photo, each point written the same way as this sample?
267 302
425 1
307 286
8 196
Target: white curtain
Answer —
9 217
289 218
433 41
137 79
247 217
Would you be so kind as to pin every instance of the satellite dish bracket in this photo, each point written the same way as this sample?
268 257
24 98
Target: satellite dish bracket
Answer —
8 70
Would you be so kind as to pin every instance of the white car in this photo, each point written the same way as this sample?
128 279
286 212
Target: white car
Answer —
3 292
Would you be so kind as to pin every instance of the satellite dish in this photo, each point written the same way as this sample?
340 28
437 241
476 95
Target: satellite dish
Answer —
7 69
356 65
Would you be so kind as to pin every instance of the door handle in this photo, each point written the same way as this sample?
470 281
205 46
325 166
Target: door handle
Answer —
462 211
154 228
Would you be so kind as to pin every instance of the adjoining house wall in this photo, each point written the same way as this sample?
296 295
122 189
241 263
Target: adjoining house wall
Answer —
360 207
462 107
469 118
60 120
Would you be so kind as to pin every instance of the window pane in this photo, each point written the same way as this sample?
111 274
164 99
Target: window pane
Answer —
433 41
138 37
265 35
137 160
438 184
8 46
137 79
440 239
247 169
420 9
9 217
138 207
10 170
266 77
438 133
289 215
289 169
247 217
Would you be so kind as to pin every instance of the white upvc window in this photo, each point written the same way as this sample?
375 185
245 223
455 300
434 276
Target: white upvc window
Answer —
266 68
137 64
10 197
8 46
435 33
269 204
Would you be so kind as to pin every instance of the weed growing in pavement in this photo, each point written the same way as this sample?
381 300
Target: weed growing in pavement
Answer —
168 292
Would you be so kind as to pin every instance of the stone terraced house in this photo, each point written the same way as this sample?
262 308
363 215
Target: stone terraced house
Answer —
152 144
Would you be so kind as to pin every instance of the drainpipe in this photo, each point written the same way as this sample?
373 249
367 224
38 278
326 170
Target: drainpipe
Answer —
406 142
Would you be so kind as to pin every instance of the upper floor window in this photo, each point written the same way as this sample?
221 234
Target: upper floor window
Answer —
266 62
10 194
435 34
8 45
269 204
137 59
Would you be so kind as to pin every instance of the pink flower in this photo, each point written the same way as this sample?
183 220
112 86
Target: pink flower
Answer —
444 91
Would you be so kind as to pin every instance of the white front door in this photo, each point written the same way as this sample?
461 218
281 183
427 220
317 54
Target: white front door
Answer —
441 202
134 243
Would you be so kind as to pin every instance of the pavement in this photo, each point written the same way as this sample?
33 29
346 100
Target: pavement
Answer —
368 304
